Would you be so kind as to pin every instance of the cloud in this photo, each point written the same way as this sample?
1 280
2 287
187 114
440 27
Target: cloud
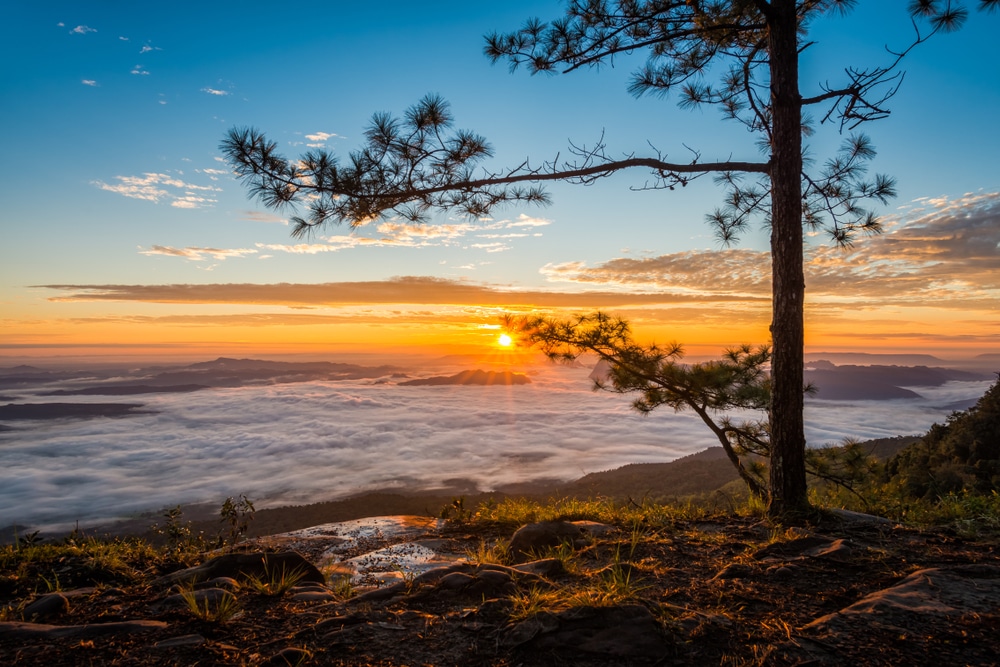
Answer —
215 91
89 82
139 70
402 290
263 216
395 233
942 251
148 48
318 139
528 221
296 443
154 187
81 30
198 254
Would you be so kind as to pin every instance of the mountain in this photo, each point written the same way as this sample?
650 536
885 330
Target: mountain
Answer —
476 377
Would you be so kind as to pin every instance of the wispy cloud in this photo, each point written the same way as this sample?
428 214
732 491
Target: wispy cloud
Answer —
138 69
263 216
147 48
196 254
937 251
82 30
409 289
89 82
215 91
411 235
156 187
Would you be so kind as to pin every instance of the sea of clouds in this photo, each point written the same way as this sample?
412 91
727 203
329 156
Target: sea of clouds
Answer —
308 442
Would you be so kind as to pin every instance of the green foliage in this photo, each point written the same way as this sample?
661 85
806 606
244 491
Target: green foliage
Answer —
275 582
225 608
737 381
178 533
962 455
238 513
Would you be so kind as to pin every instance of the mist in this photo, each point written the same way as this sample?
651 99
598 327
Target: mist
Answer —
307 442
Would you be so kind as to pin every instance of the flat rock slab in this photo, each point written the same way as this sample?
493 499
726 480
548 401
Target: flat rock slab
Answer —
41 630
627 633
376 551
930 592
919 607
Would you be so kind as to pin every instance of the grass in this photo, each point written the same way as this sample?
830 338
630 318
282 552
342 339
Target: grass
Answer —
275 582
225 609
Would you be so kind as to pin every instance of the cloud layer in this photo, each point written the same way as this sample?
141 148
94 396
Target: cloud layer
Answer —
308 442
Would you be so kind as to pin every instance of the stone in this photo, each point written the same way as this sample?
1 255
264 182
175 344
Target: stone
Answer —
313 596
88 631
546 567
455 581
860 518
46 607
838 550
242 565
792 548
182 640
534 539
623 634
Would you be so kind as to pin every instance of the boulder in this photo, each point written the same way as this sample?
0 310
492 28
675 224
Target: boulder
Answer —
534 539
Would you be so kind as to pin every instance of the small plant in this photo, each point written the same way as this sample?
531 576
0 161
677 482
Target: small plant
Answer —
29 539
225 608
180 537
275 582
456 511
525 604
497 553
342 586
238 513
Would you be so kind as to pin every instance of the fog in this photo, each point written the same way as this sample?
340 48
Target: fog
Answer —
307 442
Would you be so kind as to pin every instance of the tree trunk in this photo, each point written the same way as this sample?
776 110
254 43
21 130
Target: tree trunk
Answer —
788 476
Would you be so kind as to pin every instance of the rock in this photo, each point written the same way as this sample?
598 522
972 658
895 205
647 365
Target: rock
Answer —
313 596
182 640
546 567
46 607
534 539
780 572
625 633
243 565
382 593
792 548
838 550
917 607
88 631
929 592
455 581
859 518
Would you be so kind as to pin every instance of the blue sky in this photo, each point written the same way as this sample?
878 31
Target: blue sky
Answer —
114 111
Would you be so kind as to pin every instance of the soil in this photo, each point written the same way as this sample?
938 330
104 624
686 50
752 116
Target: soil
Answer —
728 590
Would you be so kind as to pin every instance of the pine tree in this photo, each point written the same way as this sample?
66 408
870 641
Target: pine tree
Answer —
419 163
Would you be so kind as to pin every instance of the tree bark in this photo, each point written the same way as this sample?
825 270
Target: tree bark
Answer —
787 474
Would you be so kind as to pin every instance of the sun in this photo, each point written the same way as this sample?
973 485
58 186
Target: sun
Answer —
504 340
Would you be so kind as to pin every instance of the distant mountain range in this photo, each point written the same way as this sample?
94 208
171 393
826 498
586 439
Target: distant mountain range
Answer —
476 377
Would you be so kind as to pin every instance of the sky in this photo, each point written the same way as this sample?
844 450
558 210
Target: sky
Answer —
123 233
